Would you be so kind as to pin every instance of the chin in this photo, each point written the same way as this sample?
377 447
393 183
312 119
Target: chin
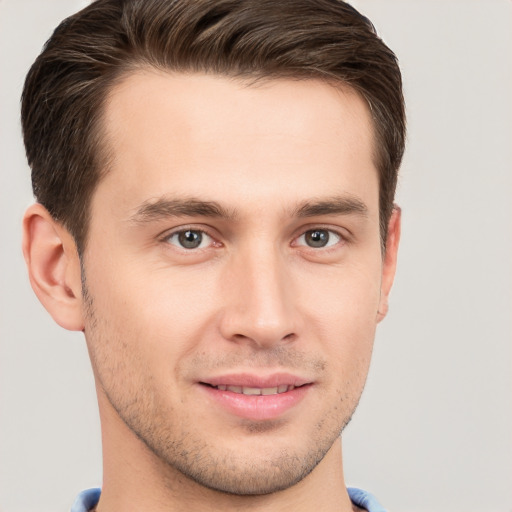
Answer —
253 477
260 467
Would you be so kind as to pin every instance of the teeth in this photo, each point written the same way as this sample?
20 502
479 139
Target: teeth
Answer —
246 390
251 391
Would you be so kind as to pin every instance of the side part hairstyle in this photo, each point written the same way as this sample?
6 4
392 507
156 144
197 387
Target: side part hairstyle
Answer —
67 86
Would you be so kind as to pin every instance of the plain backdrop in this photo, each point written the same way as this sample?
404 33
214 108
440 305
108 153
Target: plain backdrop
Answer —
433 432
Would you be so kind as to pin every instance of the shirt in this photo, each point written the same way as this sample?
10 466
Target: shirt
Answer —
87 499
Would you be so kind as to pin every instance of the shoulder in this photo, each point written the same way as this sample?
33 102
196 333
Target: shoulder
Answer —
86 500
363 500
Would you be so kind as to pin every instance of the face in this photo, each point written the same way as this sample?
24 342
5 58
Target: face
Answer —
233 273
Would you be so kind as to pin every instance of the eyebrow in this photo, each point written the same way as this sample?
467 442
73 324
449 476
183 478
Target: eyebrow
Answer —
338 205
162 208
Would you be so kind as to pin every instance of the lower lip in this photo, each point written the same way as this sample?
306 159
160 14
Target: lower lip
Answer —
257 407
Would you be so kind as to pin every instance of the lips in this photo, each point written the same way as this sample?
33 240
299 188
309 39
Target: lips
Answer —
255 397
260 381
247 390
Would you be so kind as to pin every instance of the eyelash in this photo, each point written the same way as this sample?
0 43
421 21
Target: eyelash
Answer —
168 236
319 231
340 239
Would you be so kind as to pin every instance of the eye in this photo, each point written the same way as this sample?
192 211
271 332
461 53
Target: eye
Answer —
319 238
190 239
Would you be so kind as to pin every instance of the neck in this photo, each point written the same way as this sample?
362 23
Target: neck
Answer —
134 479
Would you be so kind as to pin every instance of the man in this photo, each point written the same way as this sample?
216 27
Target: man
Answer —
214 185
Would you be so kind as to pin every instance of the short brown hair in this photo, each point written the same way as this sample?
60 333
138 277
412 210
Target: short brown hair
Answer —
66 87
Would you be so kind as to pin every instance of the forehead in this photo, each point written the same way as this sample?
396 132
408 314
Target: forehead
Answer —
205 135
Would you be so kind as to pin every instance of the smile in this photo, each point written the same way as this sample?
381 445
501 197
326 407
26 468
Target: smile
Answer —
246 390
255 397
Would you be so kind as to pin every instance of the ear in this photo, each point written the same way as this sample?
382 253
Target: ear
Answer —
389 263
53 267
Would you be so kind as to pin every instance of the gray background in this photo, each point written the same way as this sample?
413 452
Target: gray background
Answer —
434 429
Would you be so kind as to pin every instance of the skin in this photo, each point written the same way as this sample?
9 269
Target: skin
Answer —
254 298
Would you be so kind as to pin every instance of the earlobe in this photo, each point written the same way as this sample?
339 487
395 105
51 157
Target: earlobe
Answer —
53 267
389 262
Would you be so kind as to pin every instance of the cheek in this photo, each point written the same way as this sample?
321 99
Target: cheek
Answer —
341 312
344 298
154 317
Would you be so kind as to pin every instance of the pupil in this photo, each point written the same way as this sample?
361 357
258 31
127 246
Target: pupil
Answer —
317 238
190 239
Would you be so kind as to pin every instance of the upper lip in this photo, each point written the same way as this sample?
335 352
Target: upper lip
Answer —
257 381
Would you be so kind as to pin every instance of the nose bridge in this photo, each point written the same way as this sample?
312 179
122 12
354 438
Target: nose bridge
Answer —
260 306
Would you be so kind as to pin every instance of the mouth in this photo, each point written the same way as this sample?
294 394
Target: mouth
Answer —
256 398
254 391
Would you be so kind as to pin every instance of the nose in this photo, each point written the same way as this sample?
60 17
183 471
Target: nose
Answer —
259 300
